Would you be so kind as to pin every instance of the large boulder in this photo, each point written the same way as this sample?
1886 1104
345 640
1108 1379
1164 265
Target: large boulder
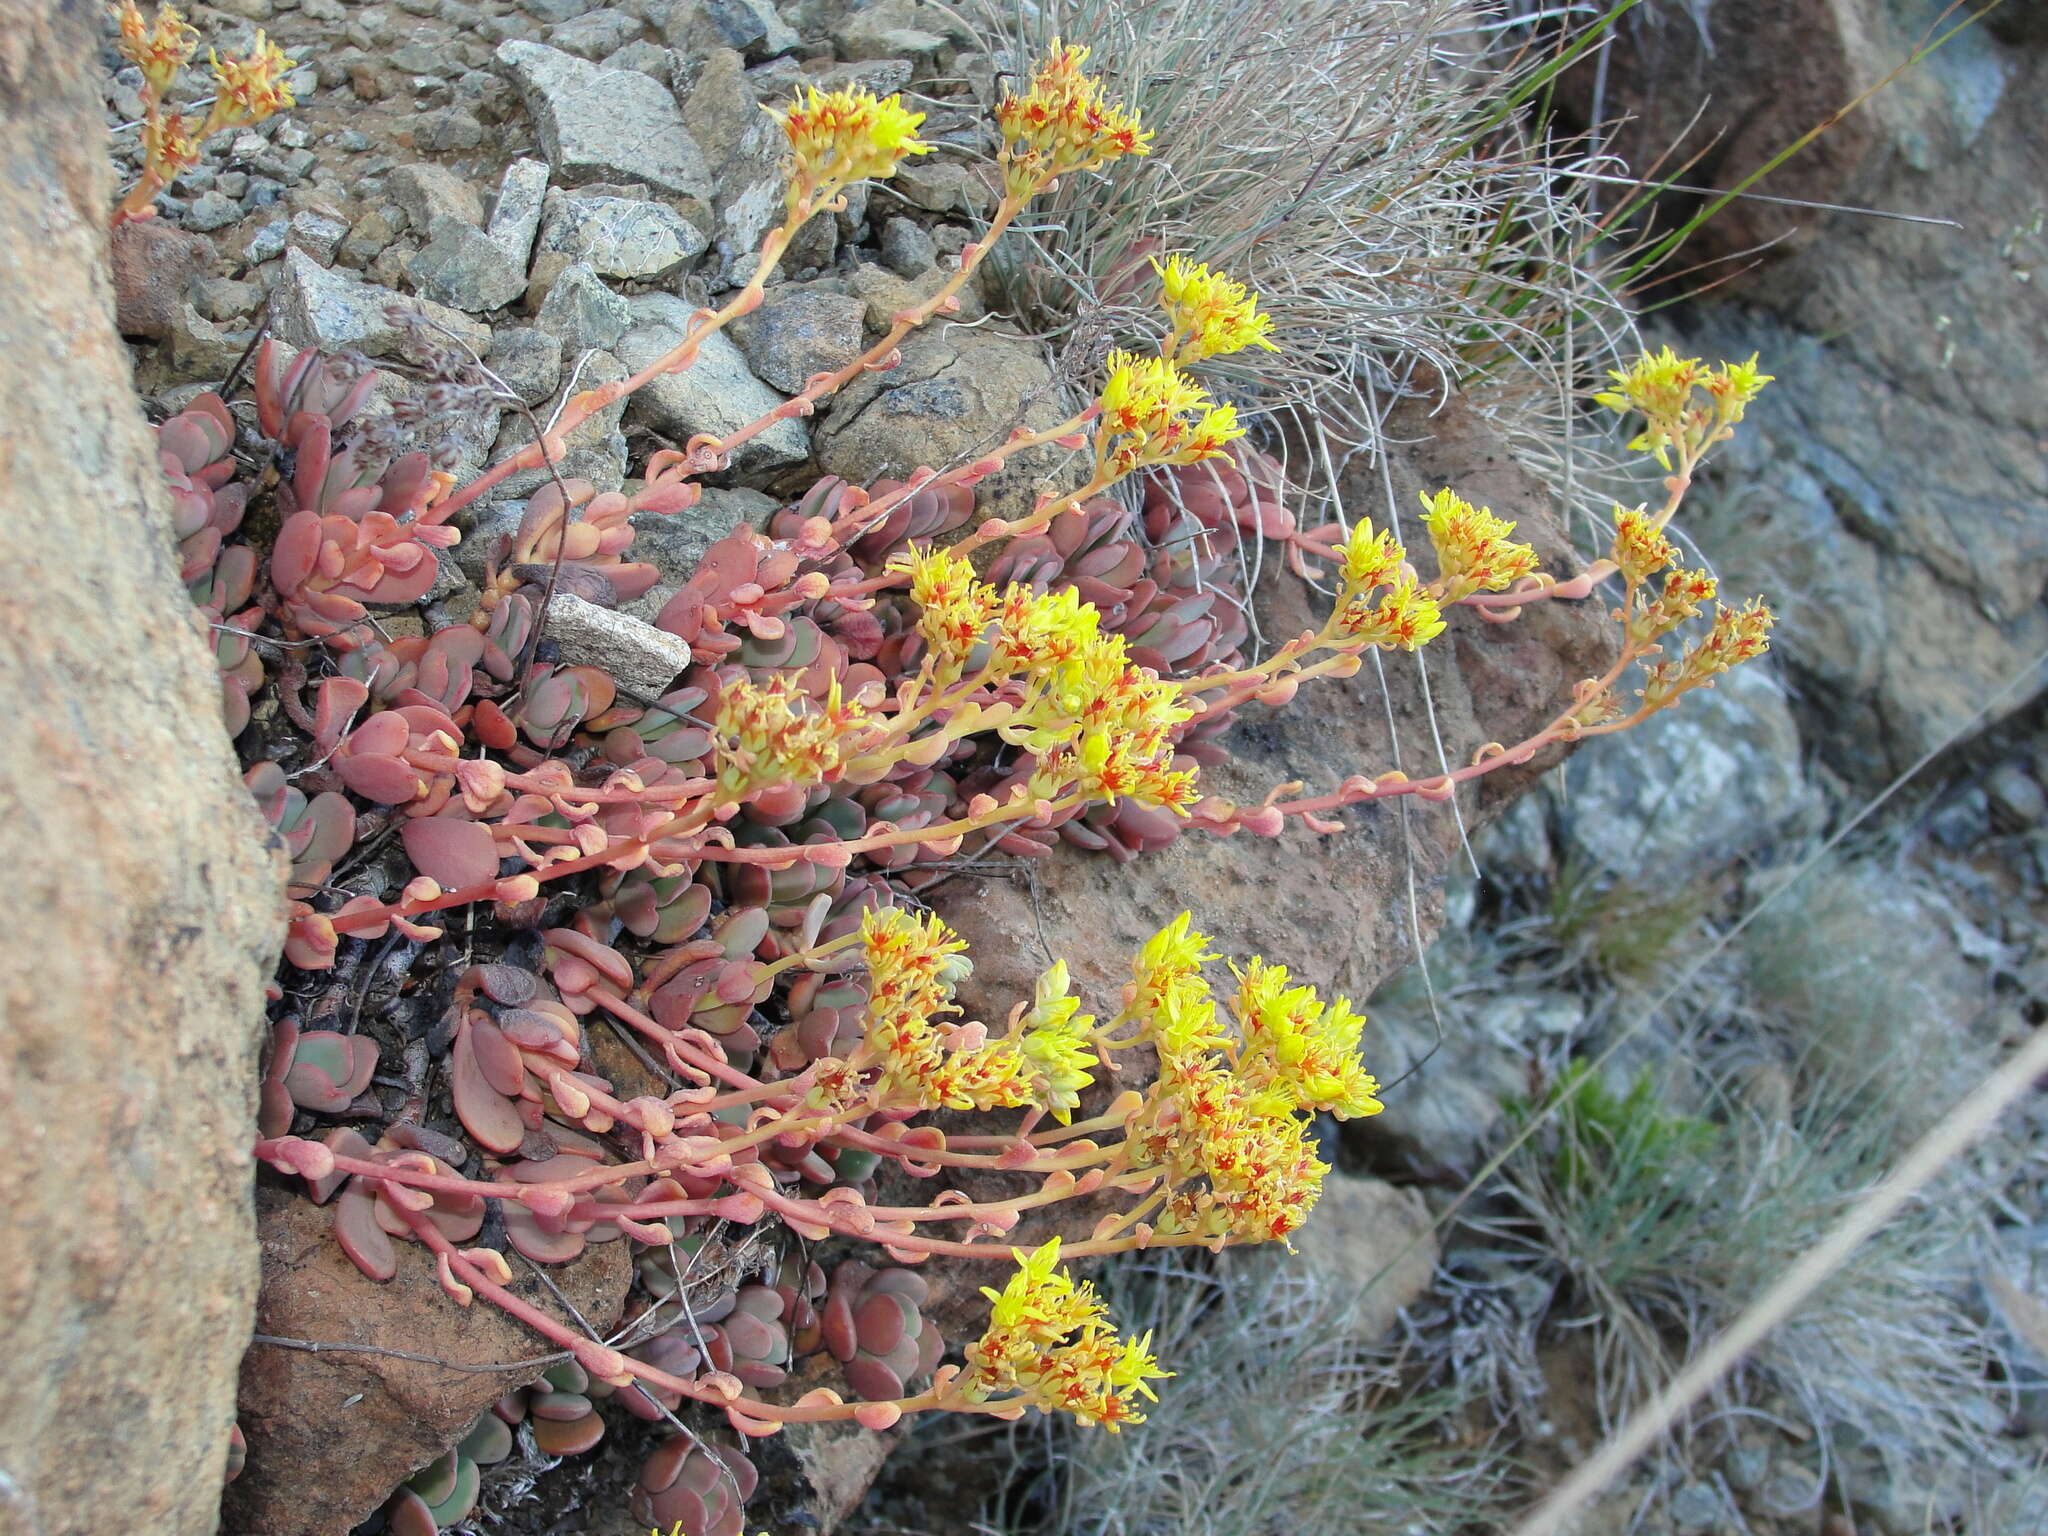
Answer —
1890 487
143 920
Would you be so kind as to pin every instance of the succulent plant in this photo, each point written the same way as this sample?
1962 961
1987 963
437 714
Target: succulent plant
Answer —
360 525
443 1493
318 1070
316 832
696 1485
871 1323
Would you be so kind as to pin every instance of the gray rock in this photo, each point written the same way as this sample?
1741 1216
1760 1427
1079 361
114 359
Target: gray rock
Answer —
447 130
642 659
907 249
886 294
430 192
956 394
596 451
465 268
716 394
604 124
313 307
2015 795
516 212
800 332
620 238
200 350
651 59
695 27
554 12
371 236
232 184
528 360
317 234
886 30
594 34
673 542
267 243
581 311
221 299
1693 789
944 187
212 210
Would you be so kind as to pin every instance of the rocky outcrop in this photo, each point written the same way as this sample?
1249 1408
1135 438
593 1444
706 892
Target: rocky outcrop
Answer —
1890 490
144 908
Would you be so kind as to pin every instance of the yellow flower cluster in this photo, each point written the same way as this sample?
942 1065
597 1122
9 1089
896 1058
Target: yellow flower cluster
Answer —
1739 635
839 137
772 733
1053 1036
159 52
1683 595
1208 314
249 90
1097 723
1300 1053
1662 385
913 963
1236 1159
1062 124
1153 414
1473 550
1406 617
1049 1345
1640 548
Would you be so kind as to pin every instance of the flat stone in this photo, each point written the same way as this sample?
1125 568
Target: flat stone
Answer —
594 34
907 247
643 660
371 236
152 263
516 212
528 360
428 192
313 307
582 311
211 210
947 187
604 124
673 542
596 451
318 235
267 243
222 299
752 27
619 238
201 351
554 12
800 332
649 59
447 130
716 394
465 268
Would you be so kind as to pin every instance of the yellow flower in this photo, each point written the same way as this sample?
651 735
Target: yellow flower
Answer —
1062 124
1474 553
772 733
1406 618
1640 548
1370 559
1661 386
839 137
1209 314
1054 1039
1738 635
1684 594
1301 1052
159 53
249 90
956 609
167 146
1153 414
1168 996
1049 1343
